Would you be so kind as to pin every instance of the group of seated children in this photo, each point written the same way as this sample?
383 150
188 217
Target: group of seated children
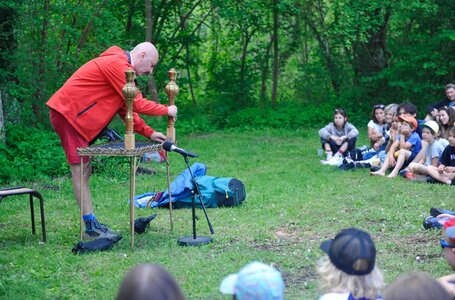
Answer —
417 150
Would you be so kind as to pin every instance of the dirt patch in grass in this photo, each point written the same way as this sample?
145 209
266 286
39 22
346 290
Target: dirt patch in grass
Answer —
301 278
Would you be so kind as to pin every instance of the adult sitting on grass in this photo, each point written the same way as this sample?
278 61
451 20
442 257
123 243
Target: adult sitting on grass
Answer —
255 281
404 149
417 286
376 126
446 120
149 282
349 270
87 103
432 109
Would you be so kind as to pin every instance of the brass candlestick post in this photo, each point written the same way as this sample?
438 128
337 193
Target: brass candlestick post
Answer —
172 89
129 92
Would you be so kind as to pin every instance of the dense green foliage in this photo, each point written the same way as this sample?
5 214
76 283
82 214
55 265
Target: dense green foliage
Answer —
293 203
350 53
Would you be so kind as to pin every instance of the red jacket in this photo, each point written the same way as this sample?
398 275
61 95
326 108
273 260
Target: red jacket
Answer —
92 96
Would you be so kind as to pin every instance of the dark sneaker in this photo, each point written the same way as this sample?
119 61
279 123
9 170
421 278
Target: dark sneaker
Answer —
431 222
434 211
95 230
104 227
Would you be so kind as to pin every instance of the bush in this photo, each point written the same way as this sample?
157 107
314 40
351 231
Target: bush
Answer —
31 153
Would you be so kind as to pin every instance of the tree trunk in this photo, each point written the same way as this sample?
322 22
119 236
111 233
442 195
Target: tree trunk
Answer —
190 83
275 52
129 19
265 71
151 84
148 21
38 98
88 27
371 57
2 120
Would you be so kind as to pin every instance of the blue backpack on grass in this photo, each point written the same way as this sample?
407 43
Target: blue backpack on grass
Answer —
215 191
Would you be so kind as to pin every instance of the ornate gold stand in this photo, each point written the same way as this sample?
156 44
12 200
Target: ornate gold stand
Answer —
130 148
118 149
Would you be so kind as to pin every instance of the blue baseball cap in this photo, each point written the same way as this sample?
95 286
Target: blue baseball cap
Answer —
255 281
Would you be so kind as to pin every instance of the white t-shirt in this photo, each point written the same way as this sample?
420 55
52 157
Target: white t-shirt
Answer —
338 296
378 127
435 150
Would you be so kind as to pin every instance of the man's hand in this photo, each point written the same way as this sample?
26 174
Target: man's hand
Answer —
172 111
158 137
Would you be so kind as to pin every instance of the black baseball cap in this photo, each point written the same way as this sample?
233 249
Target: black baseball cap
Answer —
351 251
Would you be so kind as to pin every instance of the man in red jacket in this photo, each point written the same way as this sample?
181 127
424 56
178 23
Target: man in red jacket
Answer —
88 101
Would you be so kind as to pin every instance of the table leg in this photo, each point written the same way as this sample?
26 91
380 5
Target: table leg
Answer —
81 189
132 192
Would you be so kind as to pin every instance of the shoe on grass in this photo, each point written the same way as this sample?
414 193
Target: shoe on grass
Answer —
434 211
95 230
336 160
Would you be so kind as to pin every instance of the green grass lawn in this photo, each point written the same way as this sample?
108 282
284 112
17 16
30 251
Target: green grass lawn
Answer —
293 203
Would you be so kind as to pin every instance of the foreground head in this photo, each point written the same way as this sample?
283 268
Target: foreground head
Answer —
349 266
255 281
339 117
149 282
417 286
378 114
145 58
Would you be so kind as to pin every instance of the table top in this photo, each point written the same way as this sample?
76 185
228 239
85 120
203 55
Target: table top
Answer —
118 149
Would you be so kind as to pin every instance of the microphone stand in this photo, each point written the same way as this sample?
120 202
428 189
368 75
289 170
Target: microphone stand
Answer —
195 240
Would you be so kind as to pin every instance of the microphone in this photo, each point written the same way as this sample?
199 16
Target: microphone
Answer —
169 146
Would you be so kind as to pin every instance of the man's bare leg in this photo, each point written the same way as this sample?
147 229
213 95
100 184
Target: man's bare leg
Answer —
76 173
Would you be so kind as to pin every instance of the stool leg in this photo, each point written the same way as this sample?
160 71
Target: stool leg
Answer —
32 214
43 222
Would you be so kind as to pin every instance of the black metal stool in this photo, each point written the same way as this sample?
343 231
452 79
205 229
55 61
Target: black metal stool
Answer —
20 190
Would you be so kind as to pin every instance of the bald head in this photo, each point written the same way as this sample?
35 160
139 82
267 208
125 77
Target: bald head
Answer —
145 57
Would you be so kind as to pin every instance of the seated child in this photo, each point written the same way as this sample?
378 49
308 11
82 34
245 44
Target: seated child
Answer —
407 108
431 152
376 125
349 269
255 281
338 138
404 149
445 172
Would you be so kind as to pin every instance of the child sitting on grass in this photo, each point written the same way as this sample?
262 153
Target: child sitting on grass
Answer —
408 143
338 138
445 172
431 152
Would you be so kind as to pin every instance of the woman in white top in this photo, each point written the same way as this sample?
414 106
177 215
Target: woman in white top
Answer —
376 124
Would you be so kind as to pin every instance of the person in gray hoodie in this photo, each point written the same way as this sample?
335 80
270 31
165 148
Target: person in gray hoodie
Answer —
338 138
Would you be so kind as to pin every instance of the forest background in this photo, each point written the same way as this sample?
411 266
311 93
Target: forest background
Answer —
242 64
